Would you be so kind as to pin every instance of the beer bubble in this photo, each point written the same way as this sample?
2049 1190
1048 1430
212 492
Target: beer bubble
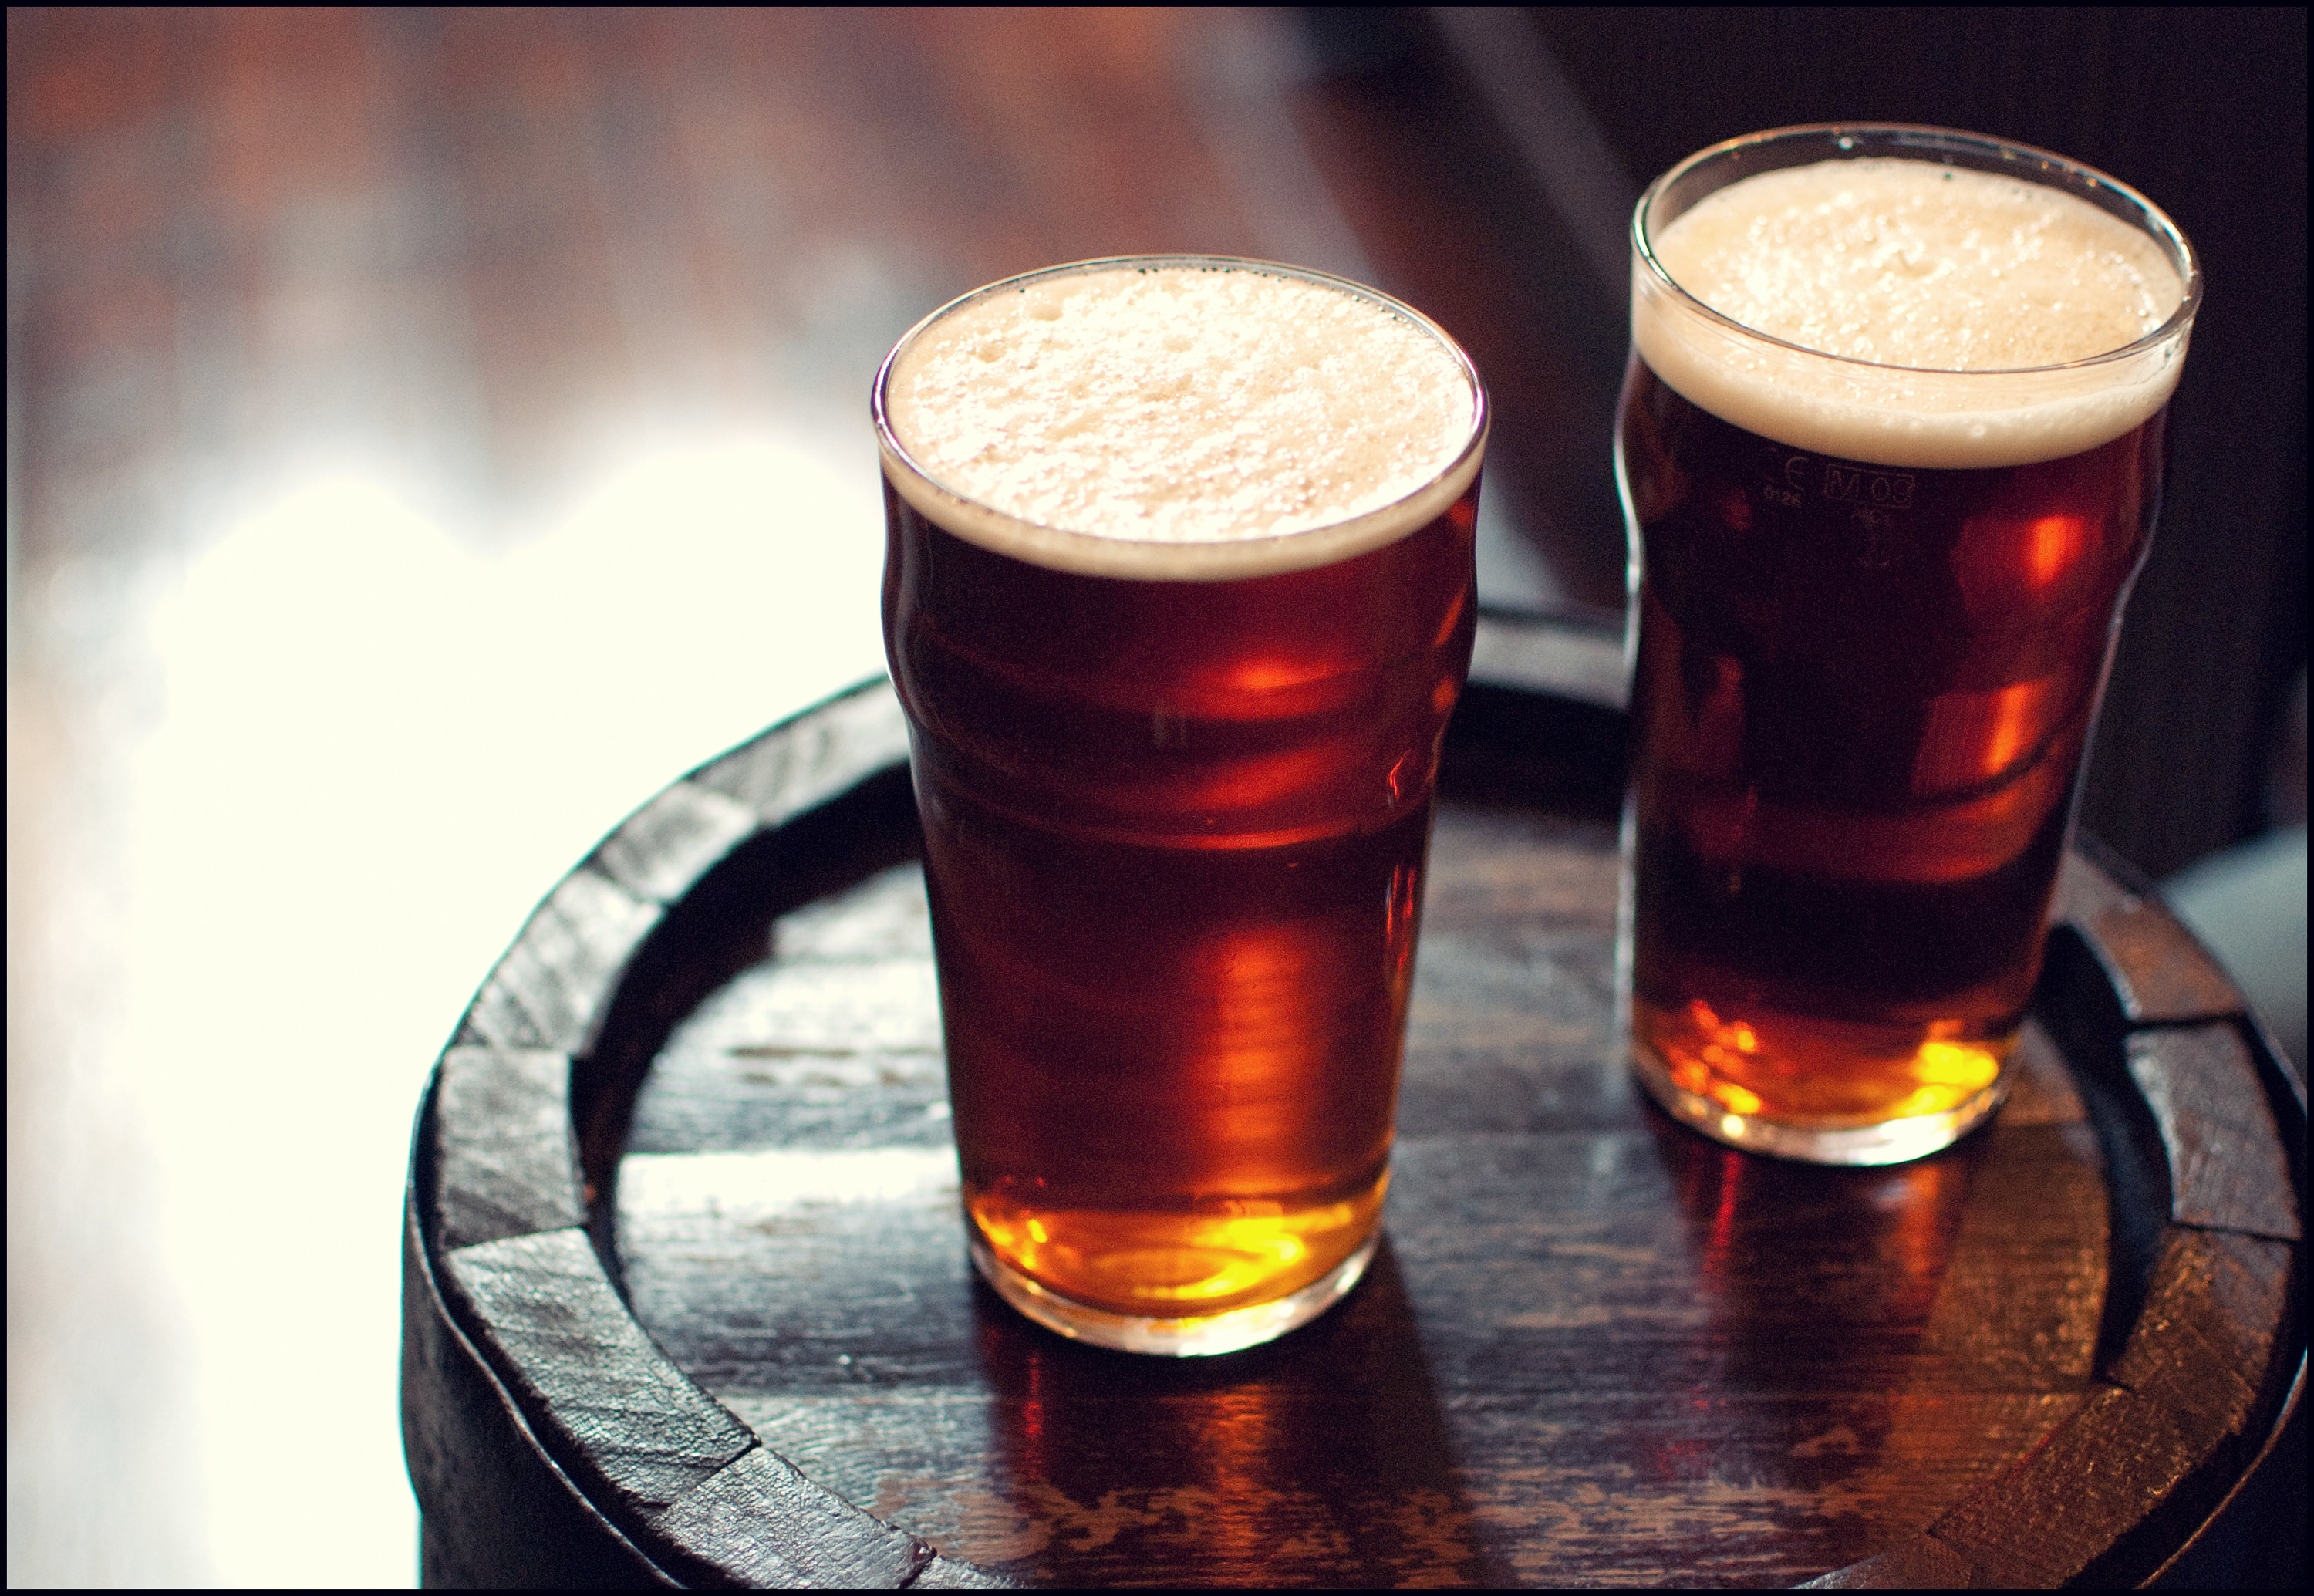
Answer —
1913 276
1212 405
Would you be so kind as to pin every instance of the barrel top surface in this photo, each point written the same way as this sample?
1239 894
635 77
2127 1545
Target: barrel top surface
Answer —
685 1197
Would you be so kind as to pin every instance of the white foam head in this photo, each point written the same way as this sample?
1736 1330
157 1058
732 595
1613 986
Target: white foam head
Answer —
1179 419
1917 313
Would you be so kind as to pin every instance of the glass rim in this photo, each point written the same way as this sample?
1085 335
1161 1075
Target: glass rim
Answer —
1903 139
1481 417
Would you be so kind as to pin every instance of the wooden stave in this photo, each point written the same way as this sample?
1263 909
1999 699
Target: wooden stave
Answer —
502 1276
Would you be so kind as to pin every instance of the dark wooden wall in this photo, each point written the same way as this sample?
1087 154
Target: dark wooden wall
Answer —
2204 109
499 232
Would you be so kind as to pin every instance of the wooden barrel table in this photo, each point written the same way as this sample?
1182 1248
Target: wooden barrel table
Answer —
687 1301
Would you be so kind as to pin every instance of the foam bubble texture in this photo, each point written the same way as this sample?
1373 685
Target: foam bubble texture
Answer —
1913 264
1967 292
1179 404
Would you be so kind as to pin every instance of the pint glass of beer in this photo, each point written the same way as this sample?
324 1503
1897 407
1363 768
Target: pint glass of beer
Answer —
1890 448
1178 598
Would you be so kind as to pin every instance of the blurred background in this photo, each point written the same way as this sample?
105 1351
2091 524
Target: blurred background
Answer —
432 432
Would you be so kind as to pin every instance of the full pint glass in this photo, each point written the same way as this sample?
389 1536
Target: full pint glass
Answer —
1890 448
1178 599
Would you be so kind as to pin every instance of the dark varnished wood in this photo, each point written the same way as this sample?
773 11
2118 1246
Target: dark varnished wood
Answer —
549 1439
548 990
503 1146
2175 1405
498 1512
2226 1158
1594 1349
2157 973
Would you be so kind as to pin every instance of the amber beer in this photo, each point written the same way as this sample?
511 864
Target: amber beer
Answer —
1890 450
1178 599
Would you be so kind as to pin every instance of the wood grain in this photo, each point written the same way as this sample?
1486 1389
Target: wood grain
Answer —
2228 1170
499 1511
550 989
552 1325
1922 1563
2207 1337
671 841
821 1543
851 738
2160 974
505 1159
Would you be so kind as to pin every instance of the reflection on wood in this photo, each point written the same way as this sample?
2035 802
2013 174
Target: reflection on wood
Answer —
1598 1348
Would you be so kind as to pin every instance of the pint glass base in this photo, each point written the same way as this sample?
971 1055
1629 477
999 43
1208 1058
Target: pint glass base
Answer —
1818 1139
1173 1337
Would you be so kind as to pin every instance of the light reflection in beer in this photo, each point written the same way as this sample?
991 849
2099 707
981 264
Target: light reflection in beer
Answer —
1707 733
1269 674
2014 725
1159 1264
1272 998
2006 560
1732 1062
1253 784
1453 615
1155 1263
1400 907
1966 838
1272 993
1724 1045
2056 542
1226 797
1945 1069
1976 738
